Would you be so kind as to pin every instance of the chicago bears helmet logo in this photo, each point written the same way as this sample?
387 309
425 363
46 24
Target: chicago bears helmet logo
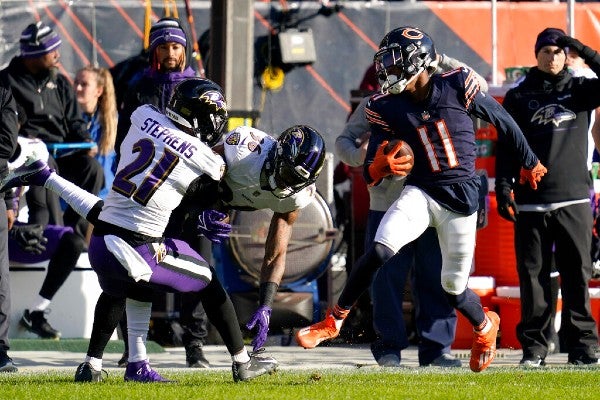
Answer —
552 113
412 33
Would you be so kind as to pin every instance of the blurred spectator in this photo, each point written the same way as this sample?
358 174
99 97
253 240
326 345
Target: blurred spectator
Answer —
46 100
8 144
169 64
95 94
554 221
34 243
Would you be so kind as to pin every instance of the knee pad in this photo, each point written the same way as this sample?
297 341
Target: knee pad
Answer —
454 282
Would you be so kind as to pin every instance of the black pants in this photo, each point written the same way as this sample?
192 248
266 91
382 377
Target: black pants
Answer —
62 263
564 233
4 282
44 206
87 173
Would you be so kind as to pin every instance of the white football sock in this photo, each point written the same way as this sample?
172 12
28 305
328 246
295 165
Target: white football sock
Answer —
138 322
39 304
241 357
96 363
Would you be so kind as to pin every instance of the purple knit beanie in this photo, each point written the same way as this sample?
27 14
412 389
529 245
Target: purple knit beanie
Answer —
37 40
548 37
166 30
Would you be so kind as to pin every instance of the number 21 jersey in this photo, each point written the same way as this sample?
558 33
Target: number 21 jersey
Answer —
158 163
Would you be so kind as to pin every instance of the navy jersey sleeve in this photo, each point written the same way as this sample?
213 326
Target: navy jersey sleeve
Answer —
465 84
509 133
507 165
380 131
472 88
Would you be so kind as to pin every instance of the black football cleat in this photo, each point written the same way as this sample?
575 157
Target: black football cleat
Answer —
85 373
36 322
256 367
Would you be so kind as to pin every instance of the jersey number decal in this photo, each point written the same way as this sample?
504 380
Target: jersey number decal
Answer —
446 144
158 174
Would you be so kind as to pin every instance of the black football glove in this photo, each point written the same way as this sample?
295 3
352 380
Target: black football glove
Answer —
507 208
588 54
571 42
29 237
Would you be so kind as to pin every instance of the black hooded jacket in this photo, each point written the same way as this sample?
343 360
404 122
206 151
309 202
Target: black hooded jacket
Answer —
47 102
553 113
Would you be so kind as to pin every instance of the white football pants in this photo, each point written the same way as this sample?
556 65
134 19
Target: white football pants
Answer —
408 217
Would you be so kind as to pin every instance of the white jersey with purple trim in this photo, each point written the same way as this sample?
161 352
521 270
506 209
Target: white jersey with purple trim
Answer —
246 150
158 163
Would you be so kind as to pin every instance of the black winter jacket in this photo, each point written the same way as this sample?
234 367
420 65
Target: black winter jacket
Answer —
48 104
8 130
553 113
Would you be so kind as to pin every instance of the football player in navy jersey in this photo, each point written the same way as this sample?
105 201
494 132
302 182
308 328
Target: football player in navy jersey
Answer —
432 113
161 156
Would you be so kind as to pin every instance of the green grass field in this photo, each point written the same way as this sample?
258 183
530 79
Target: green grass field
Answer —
362 383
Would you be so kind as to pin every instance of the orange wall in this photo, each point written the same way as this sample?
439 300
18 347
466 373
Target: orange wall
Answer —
518 25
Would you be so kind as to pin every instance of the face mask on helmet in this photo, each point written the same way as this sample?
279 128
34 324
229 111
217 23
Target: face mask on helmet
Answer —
296 161
404 53
199 108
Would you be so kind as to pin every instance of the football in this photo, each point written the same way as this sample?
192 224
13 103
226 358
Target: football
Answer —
405 150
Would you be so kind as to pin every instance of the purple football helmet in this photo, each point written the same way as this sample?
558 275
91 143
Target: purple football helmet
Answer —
296 161
198 106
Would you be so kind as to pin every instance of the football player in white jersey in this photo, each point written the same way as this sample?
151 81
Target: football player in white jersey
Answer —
276 174
160 157
262 173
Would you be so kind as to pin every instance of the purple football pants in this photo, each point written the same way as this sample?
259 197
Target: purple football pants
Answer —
167 274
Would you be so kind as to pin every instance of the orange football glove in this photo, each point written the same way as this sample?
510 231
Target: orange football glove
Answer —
533 176
386 164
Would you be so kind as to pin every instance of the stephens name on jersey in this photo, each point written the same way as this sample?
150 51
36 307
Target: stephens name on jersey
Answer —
153 128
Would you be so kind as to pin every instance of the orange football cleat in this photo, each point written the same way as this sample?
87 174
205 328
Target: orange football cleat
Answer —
484 344
311 336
